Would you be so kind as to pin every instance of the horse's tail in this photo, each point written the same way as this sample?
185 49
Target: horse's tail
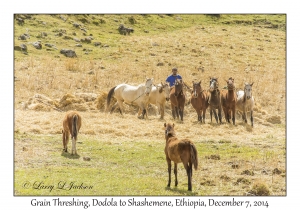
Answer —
75 126
109 96
194 156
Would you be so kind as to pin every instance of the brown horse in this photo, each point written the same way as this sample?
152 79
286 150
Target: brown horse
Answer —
71 125
199 100
180 151
228 100
177 99
214 99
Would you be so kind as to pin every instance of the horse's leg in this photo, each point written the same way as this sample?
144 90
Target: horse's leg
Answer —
162 111
210 111
233 115
144 113
216 117
244 114
73 145
175 172
226 115
198 114
219 114
169 170
139 112
146 109
122 109
64 141
251 117
188 172
204 112
74 150
176 112
190 177
173 111
191 168
113 107
143 110
75 142
67 136
182 111
243 118
181 114
191 174
201 113
158 107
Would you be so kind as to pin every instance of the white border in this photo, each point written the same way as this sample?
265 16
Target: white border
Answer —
154 6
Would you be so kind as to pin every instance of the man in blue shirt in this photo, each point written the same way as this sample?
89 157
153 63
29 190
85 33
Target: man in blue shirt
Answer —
172 78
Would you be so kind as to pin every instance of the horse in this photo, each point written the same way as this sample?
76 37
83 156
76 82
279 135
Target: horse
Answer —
199 100
177 99
245 102
138 95
71 125
180 151
228 100
214 99
158 96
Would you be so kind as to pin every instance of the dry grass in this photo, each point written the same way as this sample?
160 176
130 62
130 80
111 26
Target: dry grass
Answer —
247 53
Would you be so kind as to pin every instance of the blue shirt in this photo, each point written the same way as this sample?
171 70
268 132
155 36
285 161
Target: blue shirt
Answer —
171 79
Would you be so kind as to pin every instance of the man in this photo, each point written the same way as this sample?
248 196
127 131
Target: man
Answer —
172 78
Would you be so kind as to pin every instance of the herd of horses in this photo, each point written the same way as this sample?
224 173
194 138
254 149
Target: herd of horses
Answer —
176 150
214 98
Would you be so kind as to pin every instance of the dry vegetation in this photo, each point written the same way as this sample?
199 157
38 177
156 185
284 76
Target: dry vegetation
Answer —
233 159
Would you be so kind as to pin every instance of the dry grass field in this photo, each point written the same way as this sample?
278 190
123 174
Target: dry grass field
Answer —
126 153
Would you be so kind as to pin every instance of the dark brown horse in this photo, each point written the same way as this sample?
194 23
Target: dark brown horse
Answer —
177 99
180 151
199 100
71 125
228 101
214 99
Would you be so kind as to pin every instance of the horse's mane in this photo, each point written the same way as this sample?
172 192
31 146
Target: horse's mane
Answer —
171 134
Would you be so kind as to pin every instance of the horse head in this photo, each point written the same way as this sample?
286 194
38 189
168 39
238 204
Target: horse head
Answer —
166 89
248 90
169 129
230 84
178 87
196 89
148 86
213 84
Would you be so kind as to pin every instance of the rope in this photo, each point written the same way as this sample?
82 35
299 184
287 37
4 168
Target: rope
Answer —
137 98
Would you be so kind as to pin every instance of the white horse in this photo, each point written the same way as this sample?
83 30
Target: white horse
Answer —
158 96
245 102
137 95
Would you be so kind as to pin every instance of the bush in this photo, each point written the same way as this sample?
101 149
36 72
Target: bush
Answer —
260 189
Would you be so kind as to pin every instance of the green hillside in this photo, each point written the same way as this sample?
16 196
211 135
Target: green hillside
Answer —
56 32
